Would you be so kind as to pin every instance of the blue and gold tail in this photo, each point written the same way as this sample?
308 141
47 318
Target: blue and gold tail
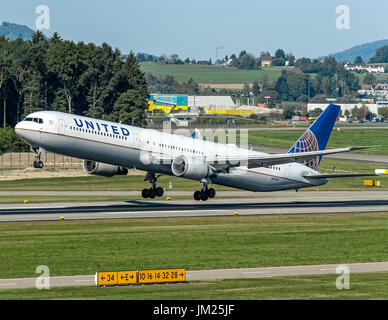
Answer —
316 137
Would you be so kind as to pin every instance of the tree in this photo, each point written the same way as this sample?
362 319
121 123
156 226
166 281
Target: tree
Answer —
63 64
280 58
383 112
5 75
130 108
291 59
242 53
280 54
381 55
55 38
370 78
362 112
358 61
246 62
281 86
255 88
134 75
297 86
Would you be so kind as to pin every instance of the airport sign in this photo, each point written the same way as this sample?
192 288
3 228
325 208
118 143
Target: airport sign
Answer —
108 278
162 275
127 277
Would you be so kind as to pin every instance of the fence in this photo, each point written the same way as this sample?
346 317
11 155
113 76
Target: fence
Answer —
50 160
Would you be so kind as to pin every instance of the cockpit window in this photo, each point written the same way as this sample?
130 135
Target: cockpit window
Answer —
37 120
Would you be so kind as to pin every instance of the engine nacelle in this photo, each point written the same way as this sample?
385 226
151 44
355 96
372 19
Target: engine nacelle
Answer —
191 168
103 169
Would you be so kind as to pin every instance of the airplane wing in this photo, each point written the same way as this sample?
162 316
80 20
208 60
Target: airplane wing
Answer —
254 161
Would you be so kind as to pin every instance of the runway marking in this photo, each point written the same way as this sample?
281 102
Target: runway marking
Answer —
163 211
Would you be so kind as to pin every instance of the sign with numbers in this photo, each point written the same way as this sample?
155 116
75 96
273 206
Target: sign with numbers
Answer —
106 278
112 278
162 275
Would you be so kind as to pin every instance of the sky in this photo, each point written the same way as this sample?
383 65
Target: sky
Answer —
195 28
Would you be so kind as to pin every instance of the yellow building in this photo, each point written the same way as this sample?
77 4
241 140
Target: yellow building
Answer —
266 61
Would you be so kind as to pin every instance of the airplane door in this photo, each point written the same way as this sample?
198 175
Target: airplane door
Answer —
61 126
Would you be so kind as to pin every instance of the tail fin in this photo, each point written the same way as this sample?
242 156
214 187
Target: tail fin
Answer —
315 138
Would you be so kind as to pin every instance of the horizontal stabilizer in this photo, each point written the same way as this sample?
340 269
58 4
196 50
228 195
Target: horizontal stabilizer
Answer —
339 175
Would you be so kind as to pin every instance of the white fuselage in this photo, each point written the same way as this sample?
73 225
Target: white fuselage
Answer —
130 147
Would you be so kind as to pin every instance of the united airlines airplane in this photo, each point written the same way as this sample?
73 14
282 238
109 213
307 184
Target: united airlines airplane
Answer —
111 149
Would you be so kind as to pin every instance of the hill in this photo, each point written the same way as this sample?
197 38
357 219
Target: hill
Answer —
14 31
366 51
209 74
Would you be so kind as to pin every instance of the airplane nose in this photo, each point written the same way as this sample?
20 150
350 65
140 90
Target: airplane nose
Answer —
18 130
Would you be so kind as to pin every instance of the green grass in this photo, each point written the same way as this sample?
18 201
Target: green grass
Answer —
84 247
338 138
209 74
362 286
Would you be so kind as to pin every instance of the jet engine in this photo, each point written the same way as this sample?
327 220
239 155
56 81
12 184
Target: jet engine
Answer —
191 168
103 169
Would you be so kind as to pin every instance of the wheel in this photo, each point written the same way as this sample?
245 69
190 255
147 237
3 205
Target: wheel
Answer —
145 193
40 164
35 164
204 195
152 193
197 195
159 191
211 192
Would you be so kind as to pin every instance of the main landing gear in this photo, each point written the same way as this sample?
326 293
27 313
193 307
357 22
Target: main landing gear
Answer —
38 164
205 193
153 191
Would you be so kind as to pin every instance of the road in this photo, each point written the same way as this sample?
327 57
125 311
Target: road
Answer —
241 202
197 275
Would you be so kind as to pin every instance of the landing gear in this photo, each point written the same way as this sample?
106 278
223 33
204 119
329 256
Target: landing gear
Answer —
153 191
38 164
205 193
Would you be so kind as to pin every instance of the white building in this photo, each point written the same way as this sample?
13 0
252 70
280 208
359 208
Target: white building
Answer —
373 107
210 101
369 68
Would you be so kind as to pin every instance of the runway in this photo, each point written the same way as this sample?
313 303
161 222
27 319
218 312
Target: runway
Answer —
227 204
203 275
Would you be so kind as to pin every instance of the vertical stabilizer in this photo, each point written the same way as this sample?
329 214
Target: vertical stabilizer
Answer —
317 135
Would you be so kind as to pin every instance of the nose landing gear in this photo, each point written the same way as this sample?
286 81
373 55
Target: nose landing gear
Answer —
38 164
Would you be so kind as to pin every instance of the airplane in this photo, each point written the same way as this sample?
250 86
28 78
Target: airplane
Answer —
111 148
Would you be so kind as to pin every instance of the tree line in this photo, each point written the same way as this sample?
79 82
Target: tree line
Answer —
61 75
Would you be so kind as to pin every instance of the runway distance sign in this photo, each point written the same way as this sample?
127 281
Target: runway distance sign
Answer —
162 275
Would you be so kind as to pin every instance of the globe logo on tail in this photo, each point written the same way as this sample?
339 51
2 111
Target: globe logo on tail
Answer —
308 142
